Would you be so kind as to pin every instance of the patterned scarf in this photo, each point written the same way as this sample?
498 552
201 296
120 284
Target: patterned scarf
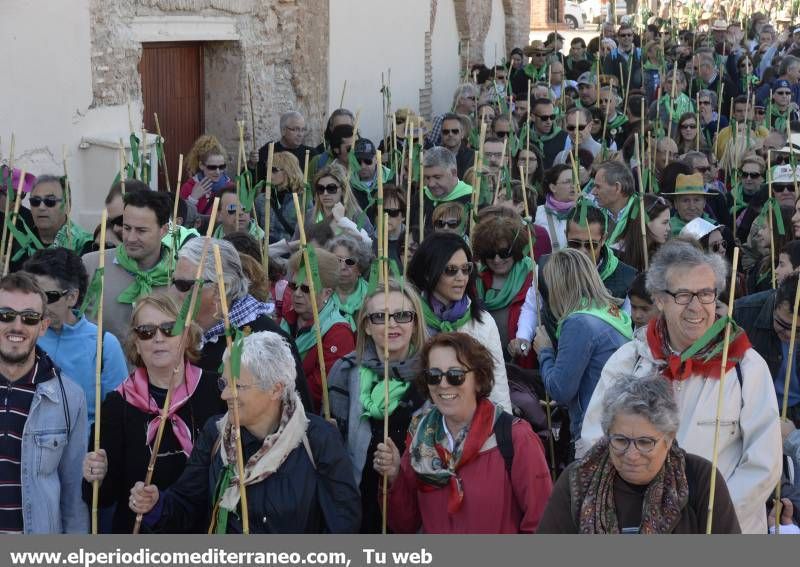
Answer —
243 311
435 465
144 280
591 484
704 357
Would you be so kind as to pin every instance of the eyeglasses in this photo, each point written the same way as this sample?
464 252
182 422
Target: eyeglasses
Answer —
546 117
454 376
394 213
759 110
718 246
116 221
30 318
504 254
583 244
296 129
783 93
148 330
448 132
330 189
215 167
688 126
705 296
222 384
624 35
572 128
620 443
750 174
501 134
347 261
55 295
400 317
451 271
365 161
783 188
659 201
302 287
48 201
447 223
183 285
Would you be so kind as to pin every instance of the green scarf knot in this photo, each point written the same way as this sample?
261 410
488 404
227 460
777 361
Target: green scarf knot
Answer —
373 395
144 280
495 299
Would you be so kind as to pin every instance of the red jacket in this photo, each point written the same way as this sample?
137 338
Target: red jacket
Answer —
336 343
514 311
491 505
203 204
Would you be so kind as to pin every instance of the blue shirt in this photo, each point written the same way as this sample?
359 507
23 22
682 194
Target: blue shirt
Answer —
74 350
794 385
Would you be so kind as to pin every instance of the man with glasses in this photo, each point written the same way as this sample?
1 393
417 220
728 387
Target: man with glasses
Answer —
782 109
141 264
51 227
536 70
789 70
465 101
625 59
44 425
578 124
766 317
683 345
549 138
293 132
364 175
454 134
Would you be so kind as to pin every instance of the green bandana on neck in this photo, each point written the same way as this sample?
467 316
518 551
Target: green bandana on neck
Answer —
371 186
306 339
350 306
444 326
535 74
778 119
495 299
461 189
619 228
252 229
677 108
373 394
177 236
144 281
609 264
615 317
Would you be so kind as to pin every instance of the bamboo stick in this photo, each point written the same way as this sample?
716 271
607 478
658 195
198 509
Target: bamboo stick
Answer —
672 107
181 347
252 112
268 205
305 180
237 431
771 220
344 90
67 196
7 205
10 242
163 155
408 216
386 315
98 366
642 213
379 218
725 345
476 190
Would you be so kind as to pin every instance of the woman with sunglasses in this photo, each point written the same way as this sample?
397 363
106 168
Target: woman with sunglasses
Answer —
468 466
450 217
355 259
131 413
687 133
206 163
357 388
560 198
505 275
287 178
443 271
335 330
591 327
637 480
657 230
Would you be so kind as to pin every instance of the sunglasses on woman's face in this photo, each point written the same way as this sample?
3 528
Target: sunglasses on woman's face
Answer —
294 286
347 261
394 213
220 167
503 254
148 330
185 285
452 271
454 376
750 174
330 189
400 317
452 224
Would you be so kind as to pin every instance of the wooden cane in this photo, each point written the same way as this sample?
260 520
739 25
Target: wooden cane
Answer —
181 347
163 155
98 366
385 252
10 243
771 220
421 196
326 411
237 431
67 196
305 179
722 373
9 183
642 213
268 206
379 218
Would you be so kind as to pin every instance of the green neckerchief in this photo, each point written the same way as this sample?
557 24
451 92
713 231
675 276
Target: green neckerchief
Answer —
621 321
618 122
651 66
460 190
534 73
373 393
619 228
541 139
144 281
252 229
610 262
682 105
495 299
777 119
178 235
221 519
75 241
350 306
358 185
677 223
431 320
306 338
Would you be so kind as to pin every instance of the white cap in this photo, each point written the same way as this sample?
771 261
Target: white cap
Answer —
698 228
785 173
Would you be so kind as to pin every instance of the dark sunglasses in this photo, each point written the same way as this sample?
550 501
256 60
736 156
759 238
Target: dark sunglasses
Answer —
718 245
55 295
30 318
783 93
501 134
758 110
452 271
454 376
447 223
185 285
347 261
750 174
782 188
49 202
394 213
571 127
148 330
447 132
401 317
116 221
546 117
302 287
365 161
216 167
233 208
688 126
330 189
504 254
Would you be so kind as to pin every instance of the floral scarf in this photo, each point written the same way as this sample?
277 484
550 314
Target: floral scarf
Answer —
591 486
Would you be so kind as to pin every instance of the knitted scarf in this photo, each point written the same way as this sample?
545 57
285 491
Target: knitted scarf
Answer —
591 486
372 393
704 357
452 319
559 209
144 280
495 299
435 465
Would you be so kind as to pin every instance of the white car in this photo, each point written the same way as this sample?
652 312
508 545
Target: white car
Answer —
595 11
573 16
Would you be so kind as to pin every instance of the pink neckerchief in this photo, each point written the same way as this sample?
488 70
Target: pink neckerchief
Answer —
135 389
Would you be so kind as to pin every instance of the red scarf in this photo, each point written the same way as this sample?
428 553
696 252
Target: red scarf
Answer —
707 367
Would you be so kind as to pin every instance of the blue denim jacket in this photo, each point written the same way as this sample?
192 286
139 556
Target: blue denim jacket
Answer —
570 376
52 456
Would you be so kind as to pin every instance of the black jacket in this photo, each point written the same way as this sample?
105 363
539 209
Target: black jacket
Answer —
753 313
300 497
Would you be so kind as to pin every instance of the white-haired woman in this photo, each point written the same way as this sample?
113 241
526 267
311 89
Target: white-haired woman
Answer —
245 311
355 258
296 472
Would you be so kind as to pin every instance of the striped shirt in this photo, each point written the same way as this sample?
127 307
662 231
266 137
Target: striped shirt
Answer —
15 404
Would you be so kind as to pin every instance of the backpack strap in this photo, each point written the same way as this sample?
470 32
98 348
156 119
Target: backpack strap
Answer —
502 434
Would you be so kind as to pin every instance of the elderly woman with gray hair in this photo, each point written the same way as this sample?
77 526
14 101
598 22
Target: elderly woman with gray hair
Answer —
684 345
355 258
296 471
245 311
636 479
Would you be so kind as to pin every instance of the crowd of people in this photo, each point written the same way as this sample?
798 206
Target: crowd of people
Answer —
512 317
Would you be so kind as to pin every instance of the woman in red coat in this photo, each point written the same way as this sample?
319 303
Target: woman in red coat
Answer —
456 474
338 339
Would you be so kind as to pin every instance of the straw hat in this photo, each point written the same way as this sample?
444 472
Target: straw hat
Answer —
719 25
690 185
537 46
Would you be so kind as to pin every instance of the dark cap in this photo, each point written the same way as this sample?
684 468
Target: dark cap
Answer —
364 148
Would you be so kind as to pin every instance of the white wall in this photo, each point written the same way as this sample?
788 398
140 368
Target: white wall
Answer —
444 56
367 38
494 48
